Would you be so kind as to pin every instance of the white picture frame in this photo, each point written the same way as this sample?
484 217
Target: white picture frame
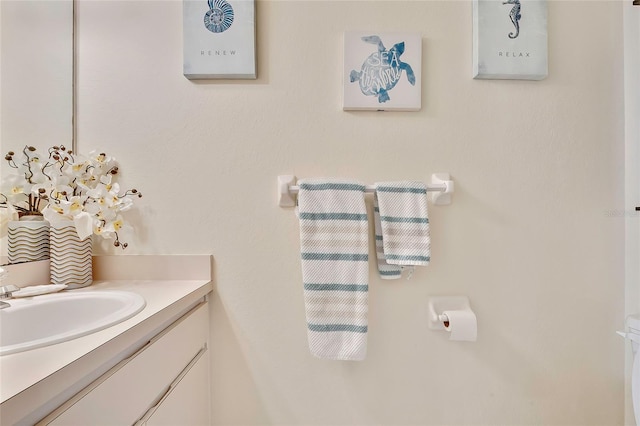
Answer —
510 39
382 71
219 40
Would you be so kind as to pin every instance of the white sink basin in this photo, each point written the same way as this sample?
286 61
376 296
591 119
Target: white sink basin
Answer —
53 318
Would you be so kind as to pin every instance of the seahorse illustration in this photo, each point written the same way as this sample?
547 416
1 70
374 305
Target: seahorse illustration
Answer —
515 16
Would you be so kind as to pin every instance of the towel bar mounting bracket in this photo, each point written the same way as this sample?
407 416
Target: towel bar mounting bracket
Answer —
285 197
442 197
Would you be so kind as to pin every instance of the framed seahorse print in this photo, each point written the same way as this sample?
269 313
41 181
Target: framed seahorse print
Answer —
219 39
510 39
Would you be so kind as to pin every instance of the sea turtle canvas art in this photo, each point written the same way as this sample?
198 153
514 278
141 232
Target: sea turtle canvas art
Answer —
382 71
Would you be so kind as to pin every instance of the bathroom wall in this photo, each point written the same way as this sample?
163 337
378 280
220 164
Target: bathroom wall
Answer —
631 25
532 236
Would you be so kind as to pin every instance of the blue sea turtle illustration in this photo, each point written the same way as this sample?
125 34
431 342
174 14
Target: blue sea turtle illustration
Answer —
382 70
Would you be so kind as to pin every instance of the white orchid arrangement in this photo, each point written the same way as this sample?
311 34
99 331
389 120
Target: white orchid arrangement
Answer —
61 185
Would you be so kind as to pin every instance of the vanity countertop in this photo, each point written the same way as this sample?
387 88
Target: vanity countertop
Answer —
56 367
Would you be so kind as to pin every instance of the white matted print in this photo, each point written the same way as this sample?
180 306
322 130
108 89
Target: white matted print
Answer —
219 39
382 71
510 39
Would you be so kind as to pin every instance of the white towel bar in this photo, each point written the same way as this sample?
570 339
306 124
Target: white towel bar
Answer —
441 187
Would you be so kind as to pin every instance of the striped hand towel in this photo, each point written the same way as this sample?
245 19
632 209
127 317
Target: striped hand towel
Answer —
334 250
402 227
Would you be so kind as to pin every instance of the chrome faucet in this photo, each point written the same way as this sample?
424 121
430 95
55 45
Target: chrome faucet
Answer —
5 290
5 293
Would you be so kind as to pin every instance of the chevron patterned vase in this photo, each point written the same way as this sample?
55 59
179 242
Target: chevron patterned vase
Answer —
28 239
70 256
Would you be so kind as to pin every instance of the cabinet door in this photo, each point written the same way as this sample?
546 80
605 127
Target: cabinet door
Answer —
122 395
187 403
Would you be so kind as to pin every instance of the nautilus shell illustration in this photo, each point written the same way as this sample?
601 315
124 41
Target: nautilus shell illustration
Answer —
219 17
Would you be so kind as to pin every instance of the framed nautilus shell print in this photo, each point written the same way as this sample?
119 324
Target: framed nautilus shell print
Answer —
219 39
510 39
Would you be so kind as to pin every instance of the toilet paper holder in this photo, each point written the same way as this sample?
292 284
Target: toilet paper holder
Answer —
444 319
629 336
438 304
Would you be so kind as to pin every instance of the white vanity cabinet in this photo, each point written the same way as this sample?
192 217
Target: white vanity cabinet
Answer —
164 382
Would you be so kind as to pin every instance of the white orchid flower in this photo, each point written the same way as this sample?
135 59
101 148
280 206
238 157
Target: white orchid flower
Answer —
53 213
17 186
104 230
125 203
72 207
61 180
10 213
79 167
60 192
84 224
106 179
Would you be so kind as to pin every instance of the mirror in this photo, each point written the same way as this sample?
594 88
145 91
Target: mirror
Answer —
36 79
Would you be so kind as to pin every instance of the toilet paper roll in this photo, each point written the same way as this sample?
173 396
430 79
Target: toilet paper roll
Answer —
462 325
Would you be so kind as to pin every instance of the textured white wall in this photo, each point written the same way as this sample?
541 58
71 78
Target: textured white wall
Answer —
532 236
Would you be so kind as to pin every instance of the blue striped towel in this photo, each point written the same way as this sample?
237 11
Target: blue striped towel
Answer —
335 254
402 227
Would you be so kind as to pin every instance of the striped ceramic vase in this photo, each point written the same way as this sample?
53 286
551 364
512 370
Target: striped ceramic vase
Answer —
70 256
28 239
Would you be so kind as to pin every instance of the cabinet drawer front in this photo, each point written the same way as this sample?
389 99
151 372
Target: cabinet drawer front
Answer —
187 404
126 392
